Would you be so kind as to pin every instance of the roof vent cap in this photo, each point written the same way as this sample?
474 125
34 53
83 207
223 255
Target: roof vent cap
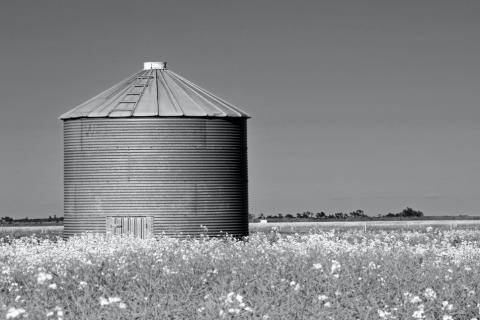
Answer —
154 65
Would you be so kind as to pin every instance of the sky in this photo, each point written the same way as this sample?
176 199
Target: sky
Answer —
369 105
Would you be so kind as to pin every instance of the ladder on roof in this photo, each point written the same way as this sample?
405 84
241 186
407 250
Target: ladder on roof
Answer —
126 106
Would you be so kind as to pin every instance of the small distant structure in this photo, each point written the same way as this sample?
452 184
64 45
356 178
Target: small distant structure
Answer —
155 154
264 221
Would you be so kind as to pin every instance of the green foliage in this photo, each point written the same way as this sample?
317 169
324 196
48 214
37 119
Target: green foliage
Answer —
348 274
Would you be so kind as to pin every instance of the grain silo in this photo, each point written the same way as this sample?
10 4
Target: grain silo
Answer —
155 154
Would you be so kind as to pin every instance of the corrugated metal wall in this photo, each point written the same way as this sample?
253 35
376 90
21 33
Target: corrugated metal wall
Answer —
184 172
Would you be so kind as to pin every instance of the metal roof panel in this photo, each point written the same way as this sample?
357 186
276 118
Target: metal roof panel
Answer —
155 92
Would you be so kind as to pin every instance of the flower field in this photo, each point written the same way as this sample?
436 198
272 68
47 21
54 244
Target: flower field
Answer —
423 273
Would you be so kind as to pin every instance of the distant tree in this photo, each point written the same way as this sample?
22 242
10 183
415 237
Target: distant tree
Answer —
340 215
251 217
261 217
7 219
320 215
280 216
409 212
306 215
289 216
299 215
357 214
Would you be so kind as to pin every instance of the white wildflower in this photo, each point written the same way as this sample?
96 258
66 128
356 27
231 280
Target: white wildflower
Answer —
335 266
234 310
13 312
122 305
229 299
418 314
383 314
59 311
42 277
430 294
447 306
103 301
52 286
447 317
317 266
114 299
322 297
239 298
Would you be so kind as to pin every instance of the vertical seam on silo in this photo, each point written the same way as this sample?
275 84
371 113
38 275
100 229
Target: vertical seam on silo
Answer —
156 87
172 98
188 96
201 94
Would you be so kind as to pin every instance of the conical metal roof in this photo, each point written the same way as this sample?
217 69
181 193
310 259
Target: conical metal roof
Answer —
154 92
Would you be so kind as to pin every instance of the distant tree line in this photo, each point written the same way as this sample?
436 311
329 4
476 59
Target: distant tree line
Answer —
354 215
27 220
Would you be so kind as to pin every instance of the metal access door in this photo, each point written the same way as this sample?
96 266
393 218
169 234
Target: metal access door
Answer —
141 227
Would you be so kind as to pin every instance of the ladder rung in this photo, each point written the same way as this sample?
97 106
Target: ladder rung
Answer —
147 77
127 102
141 85
133 94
